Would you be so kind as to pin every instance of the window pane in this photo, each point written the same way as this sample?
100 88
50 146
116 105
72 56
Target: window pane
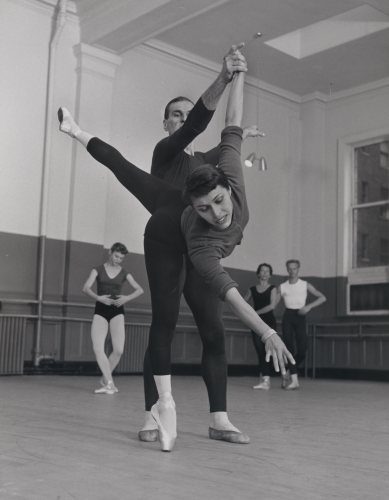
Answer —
370 236
371 173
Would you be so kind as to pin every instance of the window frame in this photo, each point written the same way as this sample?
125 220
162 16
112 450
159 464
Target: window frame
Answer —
346 206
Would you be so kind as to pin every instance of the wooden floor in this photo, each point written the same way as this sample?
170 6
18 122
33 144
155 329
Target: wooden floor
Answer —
59 441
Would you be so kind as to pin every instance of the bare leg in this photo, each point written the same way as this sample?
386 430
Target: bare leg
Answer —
118 338
99 334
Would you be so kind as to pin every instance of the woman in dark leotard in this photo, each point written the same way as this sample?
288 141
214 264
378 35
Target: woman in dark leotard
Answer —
208 229
265 298
109 311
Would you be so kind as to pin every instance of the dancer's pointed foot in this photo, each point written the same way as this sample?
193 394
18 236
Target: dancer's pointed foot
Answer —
164 413
66 123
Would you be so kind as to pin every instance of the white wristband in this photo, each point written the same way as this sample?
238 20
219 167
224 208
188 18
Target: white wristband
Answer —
268 334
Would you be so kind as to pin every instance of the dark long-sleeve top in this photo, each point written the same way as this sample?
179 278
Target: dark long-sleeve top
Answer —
170 162
208 244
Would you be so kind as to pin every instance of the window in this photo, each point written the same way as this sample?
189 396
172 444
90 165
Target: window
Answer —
363 224
370 210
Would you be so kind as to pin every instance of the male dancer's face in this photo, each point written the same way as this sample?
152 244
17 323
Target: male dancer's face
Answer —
178 113
215 207
293 270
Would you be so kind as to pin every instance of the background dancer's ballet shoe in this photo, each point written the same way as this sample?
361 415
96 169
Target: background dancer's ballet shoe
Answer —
229 436
66 123
264 385
103 383
166 439
148 436
107 389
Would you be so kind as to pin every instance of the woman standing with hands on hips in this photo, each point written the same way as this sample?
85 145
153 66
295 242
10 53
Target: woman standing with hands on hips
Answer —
109 311
265 298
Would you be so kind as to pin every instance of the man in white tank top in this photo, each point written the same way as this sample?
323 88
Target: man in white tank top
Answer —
294 292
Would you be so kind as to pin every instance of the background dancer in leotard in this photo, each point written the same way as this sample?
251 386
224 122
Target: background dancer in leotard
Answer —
109 311
265 298
294 292
208 230
173 159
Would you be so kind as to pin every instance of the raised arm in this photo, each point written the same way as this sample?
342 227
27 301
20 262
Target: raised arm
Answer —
233 62
234 110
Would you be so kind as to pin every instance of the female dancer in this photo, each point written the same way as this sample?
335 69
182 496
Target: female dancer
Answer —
265 298
109 310
208 230
294 292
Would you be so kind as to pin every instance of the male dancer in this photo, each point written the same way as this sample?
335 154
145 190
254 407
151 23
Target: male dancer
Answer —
294 292
173 159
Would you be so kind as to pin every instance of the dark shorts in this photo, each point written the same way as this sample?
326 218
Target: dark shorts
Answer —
108 312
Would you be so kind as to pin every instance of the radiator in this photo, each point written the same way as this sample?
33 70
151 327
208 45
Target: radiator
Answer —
12 336
137 337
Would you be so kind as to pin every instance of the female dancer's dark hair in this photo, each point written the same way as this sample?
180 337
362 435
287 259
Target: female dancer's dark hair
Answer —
202 181
267 265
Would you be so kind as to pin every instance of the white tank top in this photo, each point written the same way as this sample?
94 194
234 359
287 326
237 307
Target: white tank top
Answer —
295 296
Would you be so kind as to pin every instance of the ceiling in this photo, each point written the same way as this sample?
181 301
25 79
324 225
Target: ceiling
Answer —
206 28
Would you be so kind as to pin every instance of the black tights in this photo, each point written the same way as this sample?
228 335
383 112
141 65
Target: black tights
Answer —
164 248
293 325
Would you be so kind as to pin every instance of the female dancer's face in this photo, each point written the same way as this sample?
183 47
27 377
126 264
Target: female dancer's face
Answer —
115 258
264 273
215 207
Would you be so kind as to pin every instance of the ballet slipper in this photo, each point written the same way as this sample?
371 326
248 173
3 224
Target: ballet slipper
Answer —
66 123
166 439
107 389
229 436
264 385
103 383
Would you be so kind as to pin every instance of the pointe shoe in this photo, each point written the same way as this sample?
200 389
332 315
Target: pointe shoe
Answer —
66 123
265 384
167 440
103 383
107 389
229 436
148 436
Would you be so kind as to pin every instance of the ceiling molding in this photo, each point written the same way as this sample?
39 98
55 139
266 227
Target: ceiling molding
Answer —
48 7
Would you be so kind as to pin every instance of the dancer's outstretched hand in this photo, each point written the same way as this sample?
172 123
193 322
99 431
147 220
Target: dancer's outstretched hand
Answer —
252 131
278 351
